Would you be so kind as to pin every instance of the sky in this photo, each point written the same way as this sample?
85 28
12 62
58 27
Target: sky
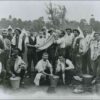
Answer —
30 10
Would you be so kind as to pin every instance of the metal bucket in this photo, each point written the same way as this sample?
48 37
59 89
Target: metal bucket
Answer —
87 79
54 80
15 82
98 88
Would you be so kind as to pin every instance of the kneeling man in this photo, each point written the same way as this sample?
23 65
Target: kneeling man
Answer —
64 69
44 69
16 66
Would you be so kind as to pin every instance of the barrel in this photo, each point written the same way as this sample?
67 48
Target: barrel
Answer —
15 82
54 81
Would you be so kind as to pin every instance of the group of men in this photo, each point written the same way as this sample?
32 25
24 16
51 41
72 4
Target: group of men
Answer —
66 53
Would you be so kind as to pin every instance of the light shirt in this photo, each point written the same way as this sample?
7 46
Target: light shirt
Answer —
70 64
61 42
39 40
19 63
95 49
69 39
85 43
20 39
7 44
42 65
27 39
61 66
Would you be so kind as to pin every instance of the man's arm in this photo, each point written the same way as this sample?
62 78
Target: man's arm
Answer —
70 65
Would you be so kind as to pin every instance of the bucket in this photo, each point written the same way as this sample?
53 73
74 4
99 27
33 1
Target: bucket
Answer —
15 82
54 80
87 79
98 88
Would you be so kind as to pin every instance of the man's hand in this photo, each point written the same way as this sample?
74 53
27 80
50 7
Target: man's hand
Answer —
13 75
43 76
51 75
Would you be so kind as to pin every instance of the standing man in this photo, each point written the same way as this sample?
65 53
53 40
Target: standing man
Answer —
76 58
61 44
16 43
10 33
5 50
84 51
45 33
95 56
69 36
31 51
41 39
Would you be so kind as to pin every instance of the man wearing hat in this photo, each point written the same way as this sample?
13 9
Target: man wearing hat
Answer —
61 44
31 51
45 33
64 69
41 39
69 36
44 69
84 50
10 33
5 50
15 39
16 66
95 56
75 50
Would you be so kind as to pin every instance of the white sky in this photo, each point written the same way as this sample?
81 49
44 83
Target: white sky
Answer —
30 10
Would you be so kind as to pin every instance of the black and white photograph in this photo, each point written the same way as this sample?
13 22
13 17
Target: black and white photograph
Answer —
50 49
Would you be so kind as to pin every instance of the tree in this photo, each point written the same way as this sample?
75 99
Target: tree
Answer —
38 24
56 14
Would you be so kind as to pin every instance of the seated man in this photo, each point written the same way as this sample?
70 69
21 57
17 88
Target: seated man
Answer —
44 69
16 66
64 69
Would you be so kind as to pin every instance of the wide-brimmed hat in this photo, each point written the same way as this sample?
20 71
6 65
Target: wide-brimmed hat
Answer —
18 29
68 29
76 31
44 28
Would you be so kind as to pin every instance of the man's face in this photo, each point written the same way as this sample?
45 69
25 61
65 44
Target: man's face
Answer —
9 31
68 32
31 33
17 32
86 33
61 59
97 36
14 56
75 33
